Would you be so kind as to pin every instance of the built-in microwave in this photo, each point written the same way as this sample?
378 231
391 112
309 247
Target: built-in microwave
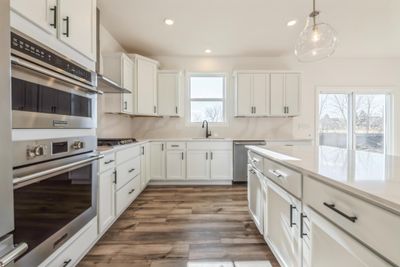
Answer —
48 90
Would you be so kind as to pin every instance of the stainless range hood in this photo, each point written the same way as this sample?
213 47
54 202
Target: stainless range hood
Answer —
105 84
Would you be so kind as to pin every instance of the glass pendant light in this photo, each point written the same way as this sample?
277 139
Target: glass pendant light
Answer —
317 40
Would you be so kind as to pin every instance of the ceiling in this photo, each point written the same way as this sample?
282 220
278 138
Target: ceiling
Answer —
366 28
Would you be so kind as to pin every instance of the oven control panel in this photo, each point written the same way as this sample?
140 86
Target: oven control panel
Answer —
41 54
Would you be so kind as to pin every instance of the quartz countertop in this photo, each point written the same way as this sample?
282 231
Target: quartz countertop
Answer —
372 176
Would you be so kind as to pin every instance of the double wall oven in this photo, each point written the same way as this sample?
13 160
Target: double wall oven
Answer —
55 179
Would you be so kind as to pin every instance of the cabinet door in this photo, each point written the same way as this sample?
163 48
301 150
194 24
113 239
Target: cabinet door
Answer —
77 25
127 103
146 87
127 71
157 162
41 13
244 95
176 165
221 165
325 245
277 101
255 198
198 165
106 204
168 94
284 225
292 93
261 94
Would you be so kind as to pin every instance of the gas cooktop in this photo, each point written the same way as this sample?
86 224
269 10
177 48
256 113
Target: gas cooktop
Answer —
115 141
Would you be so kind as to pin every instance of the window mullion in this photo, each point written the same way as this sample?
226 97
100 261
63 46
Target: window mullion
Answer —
352 119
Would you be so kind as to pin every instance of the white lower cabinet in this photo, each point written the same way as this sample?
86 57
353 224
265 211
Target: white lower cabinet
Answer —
283 233
157 162
198 165
221 164
106 199
75 248
144 174
127 194
256 198
325 245
176 165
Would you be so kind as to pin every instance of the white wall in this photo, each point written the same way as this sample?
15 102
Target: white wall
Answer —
340 72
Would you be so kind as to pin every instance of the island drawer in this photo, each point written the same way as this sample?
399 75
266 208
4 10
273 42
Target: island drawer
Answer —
287 178
375 226
107 163
127 154
127 194
256 161
176 145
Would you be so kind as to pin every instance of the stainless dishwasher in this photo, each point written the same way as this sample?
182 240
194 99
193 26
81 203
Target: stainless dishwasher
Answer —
240 158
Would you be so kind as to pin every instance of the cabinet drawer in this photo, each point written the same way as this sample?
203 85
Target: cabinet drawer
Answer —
71 255
107 163
126 154
256 161
127 194
372 225
285 177
176 145
126 171
209 145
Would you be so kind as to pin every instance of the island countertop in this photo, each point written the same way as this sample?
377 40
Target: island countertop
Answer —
372 176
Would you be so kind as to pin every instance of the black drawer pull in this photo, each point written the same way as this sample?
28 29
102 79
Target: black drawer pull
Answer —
332 207
65 264
131 170
54 24
302 234
108 162
130 192
66 33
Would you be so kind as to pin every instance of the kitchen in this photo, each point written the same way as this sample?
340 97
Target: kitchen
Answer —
199 133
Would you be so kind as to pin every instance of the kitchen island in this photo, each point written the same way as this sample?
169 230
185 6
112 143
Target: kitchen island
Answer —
323 204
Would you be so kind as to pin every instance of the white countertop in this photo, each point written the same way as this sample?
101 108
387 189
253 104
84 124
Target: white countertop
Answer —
372 176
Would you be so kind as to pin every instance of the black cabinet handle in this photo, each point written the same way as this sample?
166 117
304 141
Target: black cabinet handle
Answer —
131 170
142 150
130 192
183 155
176 110
67 262
66 19
125 105
292 207
54 24
162 147
332 207
108 162
115 177
301 225
211 156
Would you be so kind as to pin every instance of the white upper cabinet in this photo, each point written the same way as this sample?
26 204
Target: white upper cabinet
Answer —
168 85
285 94
43 13
252 94
77 25
119 68
260 93
71 21
145 92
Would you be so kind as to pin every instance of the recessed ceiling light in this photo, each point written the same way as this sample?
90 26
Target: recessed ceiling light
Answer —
207 51
169 22
291 23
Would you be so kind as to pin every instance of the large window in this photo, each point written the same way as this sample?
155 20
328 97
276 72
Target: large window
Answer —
355 120
207 98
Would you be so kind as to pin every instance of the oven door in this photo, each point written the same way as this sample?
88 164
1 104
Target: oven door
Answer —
41 100
52 202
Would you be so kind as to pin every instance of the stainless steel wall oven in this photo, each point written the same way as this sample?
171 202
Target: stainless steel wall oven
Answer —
55 193
48 90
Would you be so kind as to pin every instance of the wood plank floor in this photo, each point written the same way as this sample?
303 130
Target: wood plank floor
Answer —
169 226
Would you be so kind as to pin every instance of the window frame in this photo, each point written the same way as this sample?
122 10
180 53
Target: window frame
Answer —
351 92
188 99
